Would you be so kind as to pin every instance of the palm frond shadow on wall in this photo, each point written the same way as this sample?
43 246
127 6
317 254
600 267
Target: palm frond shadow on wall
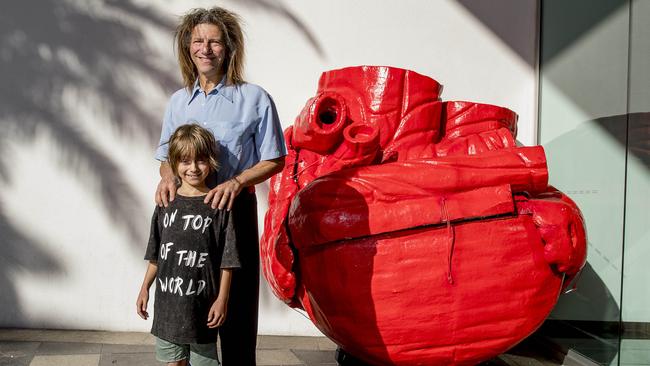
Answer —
51 50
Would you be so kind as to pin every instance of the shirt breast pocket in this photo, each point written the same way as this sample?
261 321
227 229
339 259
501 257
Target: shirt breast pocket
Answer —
229 136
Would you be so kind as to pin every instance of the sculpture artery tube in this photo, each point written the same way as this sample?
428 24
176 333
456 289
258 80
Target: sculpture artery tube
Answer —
474 128
319 127
365 201
276 255
523 168
361 138
561 227
466 118
360 145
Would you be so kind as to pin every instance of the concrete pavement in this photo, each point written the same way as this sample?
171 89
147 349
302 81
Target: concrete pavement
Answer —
32 347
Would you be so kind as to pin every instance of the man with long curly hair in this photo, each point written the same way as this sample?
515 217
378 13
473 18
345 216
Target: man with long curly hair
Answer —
245 123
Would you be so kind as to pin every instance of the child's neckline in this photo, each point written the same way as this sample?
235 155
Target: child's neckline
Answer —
183 196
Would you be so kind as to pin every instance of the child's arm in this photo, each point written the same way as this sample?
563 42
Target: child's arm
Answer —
143 296
218 310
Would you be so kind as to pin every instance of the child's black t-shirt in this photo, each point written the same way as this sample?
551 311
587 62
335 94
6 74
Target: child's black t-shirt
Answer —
191 243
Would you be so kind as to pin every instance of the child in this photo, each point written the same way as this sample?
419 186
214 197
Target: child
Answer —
191 252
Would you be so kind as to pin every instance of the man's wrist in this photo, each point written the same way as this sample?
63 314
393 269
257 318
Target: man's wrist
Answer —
166 170
170 178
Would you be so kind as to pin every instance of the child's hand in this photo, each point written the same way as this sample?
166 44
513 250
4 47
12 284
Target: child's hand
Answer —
141 304
217 314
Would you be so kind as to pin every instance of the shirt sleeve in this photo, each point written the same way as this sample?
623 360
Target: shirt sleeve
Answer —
227 238
153 246
269 139
165 134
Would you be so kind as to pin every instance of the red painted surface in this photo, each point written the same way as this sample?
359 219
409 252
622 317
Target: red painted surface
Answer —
415 231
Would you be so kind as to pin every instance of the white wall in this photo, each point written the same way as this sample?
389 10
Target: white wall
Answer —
84 91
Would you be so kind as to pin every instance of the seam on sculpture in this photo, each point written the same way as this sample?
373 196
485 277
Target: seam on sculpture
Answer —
298 173
378 236
405 107
404 119
451 234
574 282
461 111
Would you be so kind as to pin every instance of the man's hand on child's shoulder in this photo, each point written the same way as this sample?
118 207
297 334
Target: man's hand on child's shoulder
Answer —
223 195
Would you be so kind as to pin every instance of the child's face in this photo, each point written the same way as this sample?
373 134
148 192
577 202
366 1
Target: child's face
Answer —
193 171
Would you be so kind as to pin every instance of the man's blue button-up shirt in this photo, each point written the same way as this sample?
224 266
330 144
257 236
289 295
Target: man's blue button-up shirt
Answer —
242 118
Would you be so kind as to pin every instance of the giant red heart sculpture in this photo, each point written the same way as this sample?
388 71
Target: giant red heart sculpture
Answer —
414 231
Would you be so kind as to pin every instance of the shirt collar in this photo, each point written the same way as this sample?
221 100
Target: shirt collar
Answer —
222 89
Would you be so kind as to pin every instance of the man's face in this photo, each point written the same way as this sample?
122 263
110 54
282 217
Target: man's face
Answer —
207 50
